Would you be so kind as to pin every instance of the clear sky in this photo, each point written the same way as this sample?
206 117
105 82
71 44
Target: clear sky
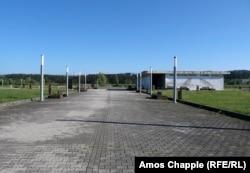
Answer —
117 36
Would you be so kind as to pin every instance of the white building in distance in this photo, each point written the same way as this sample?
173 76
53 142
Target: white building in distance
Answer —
190 80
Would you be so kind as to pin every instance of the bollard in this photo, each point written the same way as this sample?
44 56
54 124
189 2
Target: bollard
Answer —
50 90
180 94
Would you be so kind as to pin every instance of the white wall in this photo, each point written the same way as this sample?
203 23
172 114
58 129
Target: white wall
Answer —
191 82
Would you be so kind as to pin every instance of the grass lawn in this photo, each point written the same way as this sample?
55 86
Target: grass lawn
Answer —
9 95
230 99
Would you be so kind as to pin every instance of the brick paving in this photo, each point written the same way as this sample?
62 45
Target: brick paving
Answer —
103 130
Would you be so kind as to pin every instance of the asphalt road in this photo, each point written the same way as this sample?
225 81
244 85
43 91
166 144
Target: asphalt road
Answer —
103 131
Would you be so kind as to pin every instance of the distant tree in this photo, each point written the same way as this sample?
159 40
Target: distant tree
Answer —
116 80
47 80
102 80
29 80
129 81
10 81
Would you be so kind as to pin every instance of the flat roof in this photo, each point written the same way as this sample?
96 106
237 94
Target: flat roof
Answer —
188 72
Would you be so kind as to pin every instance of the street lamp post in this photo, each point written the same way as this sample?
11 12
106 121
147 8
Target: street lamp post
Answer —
67 80
85 82
175 76
137 82
79 84
151 79
42 79
140 82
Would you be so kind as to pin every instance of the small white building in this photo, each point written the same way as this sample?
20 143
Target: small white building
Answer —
191 80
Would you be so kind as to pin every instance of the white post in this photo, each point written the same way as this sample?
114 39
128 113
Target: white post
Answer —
137 82
79 84
175 77
67 80
140 82
85 82
42 79
151 79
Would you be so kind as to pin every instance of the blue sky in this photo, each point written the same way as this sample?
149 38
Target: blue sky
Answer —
116 36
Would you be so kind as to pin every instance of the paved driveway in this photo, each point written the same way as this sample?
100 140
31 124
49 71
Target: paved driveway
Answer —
103 130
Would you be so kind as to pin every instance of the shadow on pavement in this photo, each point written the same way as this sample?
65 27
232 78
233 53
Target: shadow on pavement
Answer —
150 124
118 89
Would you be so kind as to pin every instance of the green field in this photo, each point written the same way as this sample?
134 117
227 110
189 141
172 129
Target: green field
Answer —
230 99
15 94
9 95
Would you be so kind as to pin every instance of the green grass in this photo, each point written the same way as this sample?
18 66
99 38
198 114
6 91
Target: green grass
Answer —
15 94
230 99
9 95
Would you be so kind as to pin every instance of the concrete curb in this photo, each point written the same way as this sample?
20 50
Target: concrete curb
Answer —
15 103
213 109
19 102
221 111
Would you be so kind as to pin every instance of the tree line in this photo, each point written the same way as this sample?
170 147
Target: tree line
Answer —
235 77
100 78
238 74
